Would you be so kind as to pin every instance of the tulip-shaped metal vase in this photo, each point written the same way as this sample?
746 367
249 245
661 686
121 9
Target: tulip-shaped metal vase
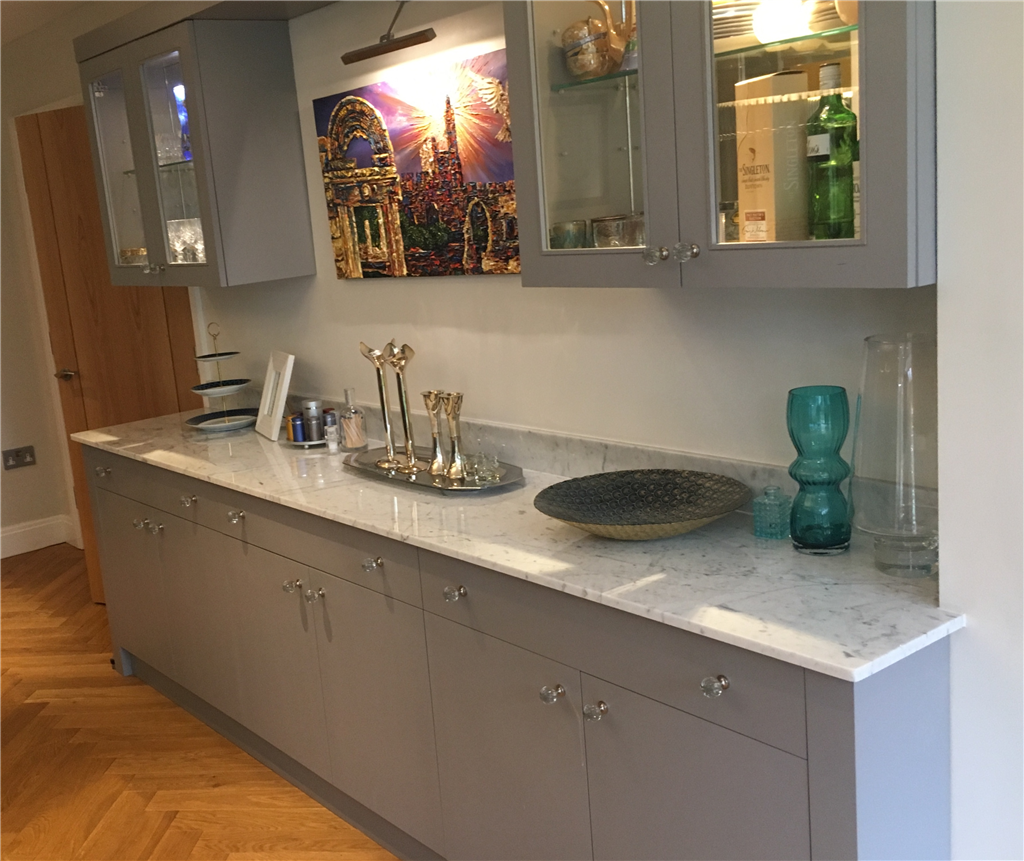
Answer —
377 358
432 399
452 402
398 358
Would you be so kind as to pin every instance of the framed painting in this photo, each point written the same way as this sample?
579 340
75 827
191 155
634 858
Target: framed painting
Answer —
418 171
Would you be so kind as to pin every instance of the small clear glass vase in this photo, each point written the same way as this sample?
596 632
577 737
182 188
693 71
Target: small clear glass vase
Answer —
818 418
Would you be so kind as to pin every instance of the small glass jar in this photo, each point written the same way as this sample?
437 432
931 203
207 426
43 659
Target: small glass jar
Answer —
353 424
771 513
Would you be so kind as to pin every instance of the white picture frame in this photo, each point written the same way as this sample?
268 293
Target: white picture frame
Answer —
275 393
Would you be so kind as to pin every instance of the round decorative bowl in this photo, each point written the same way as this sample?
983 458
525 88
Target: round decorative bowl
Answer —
637 504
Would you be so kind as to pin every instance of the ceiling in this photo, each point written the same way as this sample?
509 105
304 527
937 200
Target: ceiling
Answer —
18 17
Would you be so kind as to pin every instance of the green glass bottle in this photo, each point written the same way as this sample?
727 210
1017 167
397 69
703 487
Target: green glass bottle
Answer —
831 149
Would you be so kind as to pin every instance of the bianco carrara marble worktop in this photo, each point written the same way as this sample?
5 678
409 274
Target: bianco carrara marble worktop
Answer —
836 615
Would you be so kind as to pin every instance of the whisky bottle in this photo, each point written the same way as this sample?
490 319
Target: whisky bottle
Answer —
831 149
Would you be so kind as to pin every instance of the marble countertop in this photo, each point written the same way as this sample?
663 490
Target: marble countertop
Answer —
837 615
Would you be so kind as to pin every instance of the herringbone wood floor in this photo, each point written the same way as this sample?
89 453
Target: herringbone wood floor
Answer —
98 766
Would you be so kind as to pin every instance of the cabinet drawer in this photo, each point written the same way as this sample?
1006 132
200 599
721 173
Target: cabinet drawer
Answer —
391 567
378 563
150 485
765 698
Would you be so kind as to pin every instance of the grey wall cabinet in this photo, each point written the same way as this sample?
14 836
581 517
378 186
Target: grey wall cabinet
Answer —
721 176
198 156
481 716
510 744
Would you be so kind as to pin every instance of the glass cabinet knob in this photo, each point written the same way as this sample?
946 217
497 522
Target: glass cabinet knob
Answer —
291 585
235 516
312 596
550 695
713 686
595 711
684 252
155 528
101 471
140 524
187 501
654 256
372 564
453 593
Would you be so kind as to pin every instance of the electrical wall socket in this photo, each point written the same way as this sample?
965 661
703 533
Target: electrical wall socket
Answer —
15 457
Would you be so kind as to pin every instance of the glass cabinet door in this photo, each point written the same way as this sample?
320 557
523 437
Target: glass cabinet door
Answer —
589 117
591 89
786 90
167 107
117 164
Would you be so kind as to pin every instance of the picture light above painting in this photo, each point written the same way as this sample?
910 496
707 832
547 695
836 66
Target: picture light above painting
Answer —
418 171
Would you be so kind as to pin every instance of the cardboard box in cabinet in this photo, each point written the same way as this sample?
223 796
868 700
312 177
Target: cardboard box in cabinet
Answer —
771 148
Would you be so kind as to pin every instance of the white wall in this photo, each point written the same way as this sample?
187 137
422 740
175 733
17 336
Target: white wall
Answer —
36 505
699 370
981 406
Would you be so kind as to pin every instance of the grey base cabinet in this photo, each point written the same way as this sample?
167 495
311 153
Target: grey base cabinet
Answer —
513 766
478 716
665 784
380 730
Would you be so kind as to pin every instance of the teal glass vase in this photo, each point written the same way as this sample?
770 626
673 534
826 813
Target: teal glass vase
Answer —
818 418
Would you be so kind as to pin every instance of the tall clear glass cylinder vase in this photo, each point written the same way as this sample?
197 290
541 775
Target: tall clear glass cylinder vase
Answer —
894 489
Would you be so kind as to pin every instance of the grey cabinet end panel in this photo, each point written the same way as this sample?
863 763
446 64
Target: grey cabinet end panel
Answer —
879 761
255 146
903 758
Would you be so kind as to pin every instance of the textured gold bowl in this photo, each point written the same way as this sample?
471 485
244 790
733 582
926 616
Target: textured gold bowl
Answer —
638 504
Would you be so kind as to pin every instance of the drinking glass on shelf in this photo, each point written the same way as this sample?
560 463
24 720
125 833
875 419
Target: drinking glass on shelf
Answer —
568 234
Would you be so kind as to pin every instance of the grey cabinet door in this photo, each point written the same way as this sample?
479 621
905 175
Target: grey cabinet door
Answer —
567 140
380 728
513 768
665 784
280 679
133 579
202 595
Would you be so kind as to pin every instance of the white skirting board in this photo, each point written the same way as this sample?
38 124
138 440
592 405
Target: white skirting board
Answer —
24 537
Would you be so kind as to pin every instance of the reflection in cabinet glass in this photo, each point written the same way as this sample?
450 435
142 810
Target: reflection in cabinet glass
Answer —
787 95
589 119
110 119
179 197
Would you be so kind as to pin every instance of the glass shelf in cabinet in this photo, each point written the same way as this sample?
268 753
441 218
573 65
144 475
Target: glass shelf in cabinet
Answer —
623 73
759 46
186 164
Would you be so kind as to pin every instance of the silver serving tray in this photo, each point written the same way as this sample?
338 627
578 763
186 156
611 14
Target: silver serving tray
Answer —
366 461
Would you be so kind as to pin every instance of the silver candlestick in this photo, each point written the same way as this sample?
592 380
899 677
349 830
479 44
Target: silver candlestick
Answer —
452 402
432 399
377 358
398 359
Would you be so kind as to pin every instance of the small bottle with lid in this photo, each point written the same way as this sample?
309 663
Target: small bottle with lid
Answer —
353 424
771 513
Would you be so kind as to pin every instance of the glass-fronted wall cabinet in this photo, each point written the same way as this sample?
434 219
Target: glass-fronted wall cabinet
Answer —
801 152
198 156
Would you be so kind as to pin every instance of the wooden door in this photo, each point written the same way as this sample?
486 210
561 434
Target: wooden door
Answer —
130 349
